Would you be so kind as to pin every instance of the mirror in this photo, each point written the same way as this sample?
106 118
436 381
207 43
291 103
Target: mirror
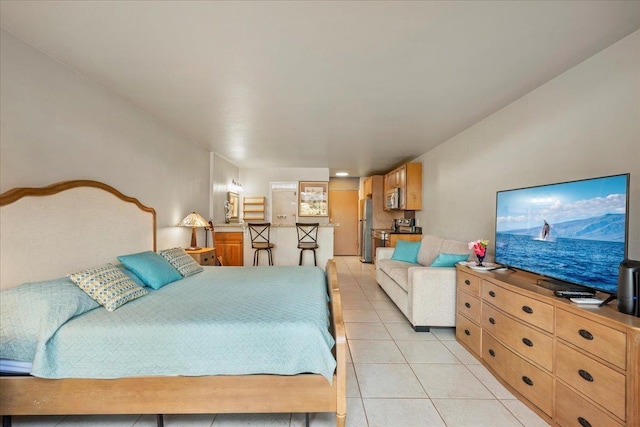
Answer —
231 207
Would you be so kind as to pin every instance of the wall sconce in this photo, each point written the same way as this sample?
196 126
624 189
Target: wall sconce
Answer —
235 187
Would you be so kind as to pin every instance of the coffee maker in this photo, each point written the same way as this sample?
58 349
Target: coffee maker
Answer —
629 287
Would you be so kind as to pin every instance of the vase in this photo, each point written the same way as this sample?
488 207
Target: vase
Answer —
480 259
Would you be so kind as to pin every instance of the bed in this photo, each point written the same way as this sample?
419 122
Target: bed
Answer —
76 224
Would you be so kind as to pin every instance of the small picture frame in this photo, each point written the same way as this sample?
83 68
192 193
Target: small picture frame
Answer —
313 198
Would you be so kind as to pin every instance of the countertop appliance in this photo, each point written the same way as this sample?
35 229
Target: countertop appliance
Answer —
404 225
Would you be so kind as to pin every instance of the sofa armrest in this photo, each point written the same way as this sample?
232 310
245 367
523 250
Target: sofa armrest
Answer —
432 296
384 252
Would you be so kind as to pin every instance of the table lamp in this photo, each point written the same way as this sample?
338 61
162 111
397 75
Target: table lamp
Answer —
193 220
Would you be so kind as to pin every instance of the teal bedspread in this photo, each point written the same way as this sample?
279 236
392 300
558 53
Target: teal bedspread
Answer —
230 320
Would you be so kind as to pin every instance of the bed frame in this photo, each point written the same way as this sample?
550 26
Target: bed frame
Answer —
76 224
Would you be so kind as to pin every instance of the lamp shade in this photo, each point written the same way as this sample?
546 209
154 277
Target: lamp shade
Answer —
193 220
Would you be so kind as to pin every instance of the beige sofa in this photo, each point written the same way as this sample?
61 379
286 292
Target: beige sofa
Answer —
425 295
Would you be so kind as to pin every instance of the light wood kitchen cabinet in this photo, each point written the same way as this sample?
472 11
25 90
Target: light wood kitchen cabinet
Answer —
408 178
366 187
230 247
393 238
573 365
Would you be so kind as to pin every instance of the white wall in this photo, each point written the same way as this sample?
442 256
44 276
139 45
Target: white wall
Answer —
57 125
223 173
257 182
584 123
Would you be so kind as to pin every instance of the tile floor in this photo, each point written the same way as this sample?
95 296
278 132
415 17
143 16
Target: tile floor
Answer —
395 376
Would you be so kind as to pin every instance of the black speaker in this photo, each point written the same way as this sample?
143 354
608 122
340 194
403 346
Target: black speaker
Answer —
628 284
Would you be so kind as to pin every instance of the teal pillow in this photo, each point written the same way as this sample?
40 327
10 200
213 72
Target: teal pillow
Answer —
448 260
151 268
406 251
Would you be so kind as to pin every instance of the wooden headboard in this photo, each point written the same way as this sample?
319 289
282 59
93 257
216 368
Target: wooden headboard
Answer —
49 232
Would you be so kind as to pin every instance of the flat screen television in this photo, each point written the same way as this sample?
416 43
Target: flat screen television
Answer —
573 232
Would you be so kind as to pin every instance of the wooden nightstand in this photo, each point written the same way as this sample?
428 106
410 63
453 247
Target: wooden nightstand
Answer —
203 256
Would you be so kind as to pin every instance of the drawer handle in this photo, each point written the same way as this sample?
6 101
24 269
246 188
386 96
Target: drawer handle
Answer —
492 353
583 422
527 380
586 375
527 342
527 309
466 304
585 334
492 294
492 320
467 282
466 331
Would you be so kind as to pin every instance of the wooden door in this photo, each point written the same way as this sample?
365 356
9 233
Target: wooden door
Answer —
343 209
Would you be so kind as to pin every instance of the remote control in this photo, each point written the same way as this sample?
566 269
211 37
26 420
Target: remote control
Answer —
568 293
586 300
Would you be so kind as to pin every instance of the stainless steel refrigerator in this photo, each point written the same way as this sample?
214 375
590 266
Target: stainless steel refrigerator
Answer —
366 228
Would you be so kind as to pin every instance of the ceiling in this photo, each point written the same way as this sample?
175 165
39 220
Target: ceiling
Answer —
355 86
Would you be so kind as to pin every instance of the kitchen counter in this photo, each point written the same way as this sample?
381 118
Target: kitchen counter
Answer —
285 239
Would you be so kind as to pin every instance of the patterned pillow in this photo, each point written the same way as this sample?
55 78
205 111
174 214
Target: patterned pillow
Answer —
181 261
108 285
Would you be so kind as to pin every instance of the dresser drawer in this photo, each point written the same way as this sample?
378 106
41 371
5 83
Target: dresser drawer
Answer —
572 410
532 382
468 282
606 343
469 306
468 333
530 343
531 311
593 379
208 258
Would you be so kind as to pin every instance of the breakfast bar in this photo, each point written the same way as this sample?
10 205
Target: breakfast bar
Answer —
285 240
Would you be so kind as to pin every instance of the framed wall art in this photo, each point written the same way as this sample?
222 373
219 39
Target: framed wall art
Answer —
313 198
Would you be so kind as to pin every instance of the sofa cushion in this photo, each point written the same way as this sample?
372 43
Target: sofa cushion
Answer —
454 247
429 249
448 260
396 270
406 251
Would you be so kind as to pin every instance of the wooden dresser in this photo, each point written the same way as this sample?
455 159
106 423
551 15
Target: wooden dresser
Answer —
574 365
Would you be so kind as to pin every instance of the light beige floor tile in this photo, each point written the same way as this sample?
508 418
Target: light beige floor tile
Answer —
450 381
353 390
385 305
36 420
388 380
461 353
257 420
404 331
375 351
391 316
444 334
98 420
474 413
372 331
360 316
402 412
352 293
426 352
525 415
177 420
356 304
375 293
355 413
490 382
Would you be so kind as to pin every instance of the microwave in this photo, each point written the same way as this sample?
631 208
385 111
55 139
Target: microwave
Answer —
392 199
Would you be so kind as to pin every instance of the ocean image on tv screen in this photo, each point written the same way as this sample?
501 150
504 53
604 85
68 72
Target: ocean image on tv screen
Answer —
572 231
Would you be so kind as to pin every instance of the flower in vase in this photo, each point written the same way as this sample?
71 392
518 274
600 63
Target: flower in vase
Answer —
479 248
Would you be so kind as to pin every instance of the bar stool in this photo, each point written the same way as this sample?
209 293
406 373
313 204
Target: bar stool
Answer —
260 233
307 239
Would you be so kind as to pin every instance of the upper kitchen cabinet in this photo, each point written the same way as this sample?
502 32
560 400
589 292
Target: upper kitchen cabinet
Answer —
366 187
408 179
